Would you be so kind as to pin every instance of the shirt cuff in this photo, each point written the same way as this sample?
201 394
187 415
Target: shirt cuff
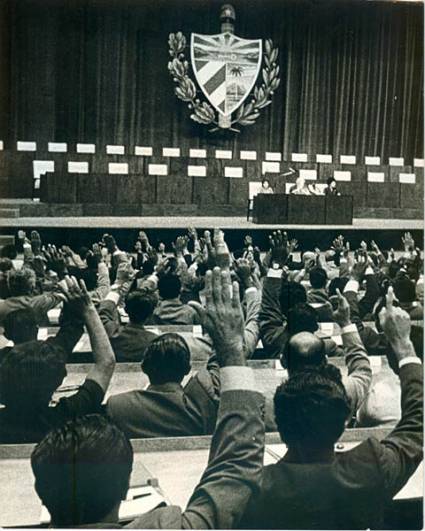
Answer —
409 359
352 285
349 329
274 273
240 378
113 296
369 271
252 289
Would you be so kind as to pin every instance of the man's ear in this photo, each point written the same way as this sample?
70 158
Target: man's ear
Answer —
188 369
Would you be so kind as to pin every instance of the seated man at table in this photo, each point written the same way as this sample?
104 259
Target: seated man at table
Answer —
300 187
312 487
99 455
166 408
31 372
171 309
129 341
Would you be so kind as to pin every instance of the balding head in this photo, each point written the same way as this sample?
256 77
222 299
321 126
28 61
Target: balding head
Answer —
303 350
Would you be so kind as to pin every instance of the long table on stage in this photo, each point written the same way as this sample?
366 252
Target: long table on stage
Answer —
303 209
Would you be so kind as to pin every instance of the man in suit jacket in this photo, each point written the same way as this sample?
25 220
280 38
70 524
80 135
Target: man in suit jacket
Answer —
102 459
311 487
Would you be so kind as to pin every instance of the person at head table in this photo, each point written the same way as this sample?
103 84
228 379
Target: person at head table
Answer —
300 187
331 188
265 188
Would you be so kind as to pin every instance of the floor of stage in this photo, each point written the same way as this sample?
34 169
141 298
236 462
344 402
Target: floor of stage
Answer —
149 222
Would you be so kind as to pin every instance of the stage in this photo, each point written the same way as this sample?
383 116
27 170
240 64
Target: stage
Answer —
199 222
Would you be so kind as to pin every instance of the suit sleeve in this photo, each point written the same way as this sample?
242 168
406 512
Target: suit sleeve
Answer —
69 334
103 283
252 329
272 322
359 376
110 318
369 299
235 463
402 448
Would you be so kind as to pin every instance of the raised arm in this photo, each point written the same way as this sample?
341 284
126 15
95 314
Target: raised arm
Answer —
236 454
402 449
359 378
103 355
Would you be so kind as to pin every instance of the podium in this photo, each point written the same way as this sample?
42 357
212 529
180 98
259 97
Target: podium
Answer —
302 209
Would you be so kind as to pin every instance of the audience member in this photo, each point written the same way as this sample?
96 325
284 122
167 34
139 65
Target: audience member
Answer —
170 309
99 455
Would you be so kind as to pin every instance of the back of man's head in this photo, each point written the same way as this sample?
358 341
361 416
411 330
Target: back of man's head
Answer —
140 305
302 351
169 286
9 251
82 470
404 289
29 374
318 278
167 359
311 408
21 326
21 281
291 293
302 318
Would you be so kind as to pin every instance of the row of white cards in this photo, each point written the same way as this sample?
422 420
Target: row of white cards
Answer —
270 156
121 168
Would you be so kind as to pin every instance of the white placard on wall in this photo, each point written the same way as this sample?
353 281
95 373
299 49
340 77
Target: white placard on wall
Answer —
270 167
197 153
143 151
223 154
396 161
40 167
86 148
57 147
324 158
158 169
376 176
308 174
372 161
170 152
407 178
347 159
26 146
232 171
299 157
1 145
196 171
417 163
273 156
342 175
78 167
115 150
248 155
118 167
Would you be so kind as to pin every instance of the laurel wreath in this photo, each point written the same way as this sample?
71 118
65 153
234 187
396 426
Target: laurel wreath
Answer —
203 112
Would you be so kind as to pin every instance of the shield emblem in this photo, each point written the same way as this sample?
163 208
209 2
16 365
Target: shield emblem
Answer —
226 68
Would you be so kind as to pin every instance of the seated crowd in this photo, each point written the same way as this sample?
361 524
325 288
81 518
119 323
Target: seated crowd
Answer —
371 299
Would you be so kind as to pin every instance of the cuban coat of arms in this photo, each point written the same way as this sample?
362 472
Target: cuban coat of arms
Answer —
226 68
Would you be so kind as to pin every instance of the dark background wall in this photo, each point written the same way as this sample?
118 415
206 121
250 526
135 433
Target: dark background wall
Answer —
96 71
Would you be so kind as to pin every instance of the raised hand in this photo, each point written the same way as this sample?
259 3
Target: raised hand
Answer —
223 317
358 270
279 247
125 273
180 245
408 241
248 240
342 313
77 296
395 324
35 243
193 235
222 255
363 246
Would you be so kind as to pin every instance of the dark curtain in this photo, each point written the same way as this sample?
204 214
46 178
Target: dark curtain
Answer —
96 71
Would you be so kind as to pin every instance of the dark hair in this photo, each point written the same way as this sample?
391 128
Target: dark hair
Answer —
404 289
318 278
311 408
303 350
82 470
330 180
20 326
302 318
30 373
9 251
148 267
21 282
6 264
89 276
167 359
337 283
140 305
82 252
169 286
291 293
